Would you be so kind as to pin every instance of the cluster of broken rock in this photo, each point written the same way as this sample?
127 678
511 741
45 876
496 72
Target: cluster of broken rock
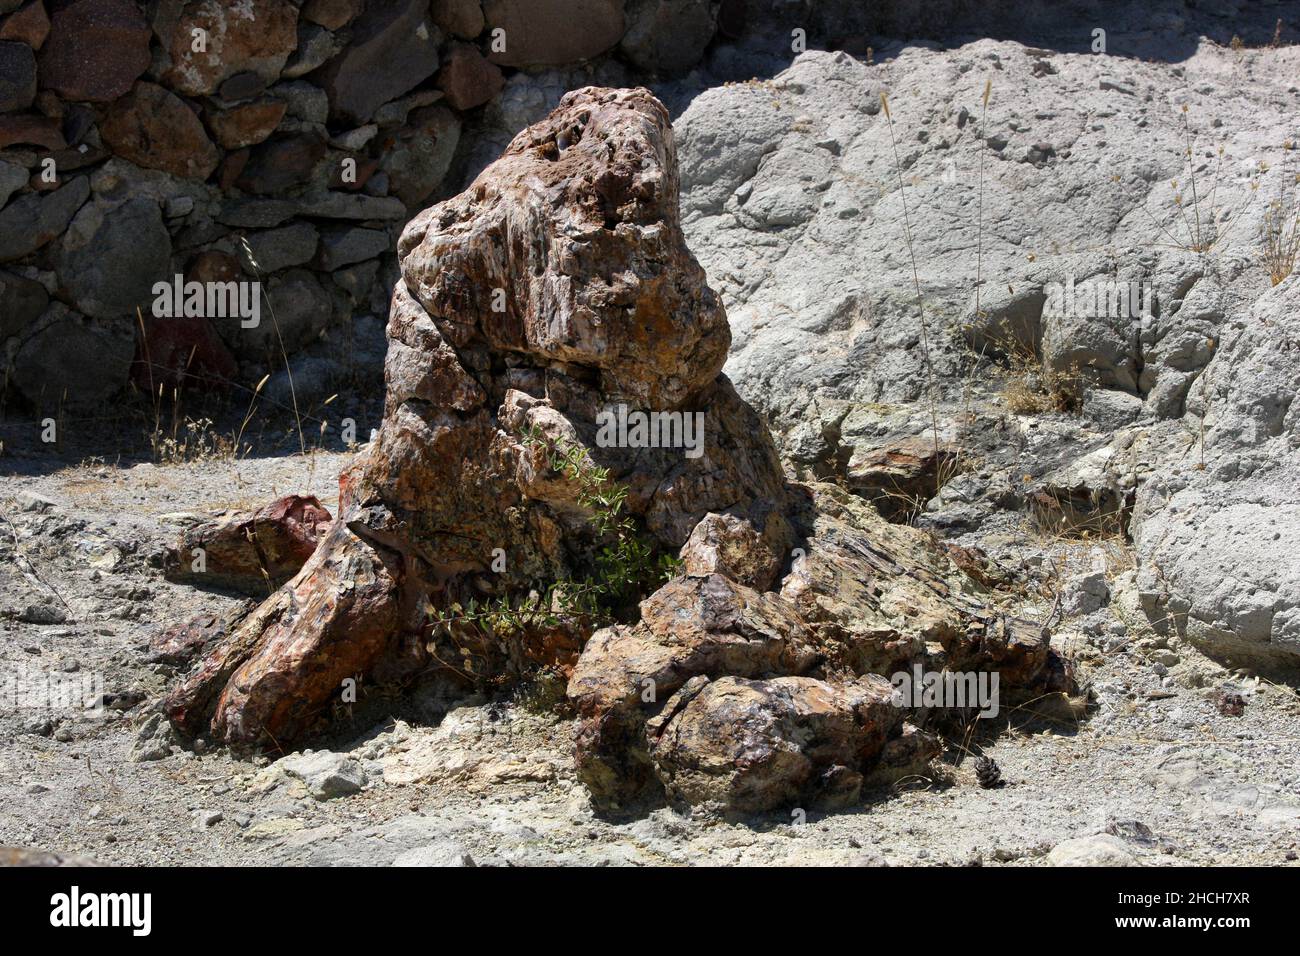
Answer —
558 284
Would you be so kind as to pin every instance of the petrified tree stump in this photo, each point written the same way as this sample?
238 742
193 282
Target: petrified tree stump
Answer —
554 289
556 286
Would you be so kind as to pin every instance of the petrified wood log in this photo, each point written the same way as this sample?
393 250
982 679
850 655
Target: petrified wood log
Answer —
557 287
252 553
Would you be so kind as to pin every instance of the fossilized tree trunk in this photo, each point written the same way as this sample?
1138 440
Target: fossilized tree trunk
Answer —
556 287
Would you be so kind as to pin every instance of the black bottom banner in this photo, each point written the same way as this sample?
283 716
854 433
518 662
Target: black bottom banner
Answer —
297 906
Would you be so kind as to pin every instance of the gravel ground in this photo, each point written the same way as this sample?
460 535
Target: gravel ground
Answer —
1157 774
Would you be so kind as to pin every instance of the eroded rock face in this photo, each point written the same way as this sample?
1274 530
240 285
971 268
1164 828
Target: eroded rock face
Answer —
557 288
861 596
588 194
707 626
1171 337
1218 544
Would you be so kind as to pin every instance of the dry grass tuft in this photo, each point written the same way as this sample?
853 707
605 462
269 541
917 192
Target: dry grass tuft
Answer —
903 505
1031 386
193 441
1281 229
916 279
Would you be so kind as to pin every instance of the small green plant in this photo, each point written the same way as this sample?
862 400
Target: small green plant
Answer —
624 568
629 566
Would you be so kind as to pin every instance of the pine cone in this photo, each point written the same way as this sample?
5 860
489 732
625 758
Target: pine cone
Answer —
987 773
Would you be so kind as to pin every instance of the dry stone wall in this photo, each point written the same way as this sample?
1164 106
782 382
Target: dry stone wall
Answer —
275 142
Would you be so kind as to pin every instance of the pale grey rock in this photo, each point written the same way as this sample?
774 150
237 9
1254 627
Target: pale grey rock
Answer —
31 501
1214 782
1006 319
1100 345
1085 594
1219 562
441 854
793 201
325 773
1101 849
1111 410
1220 545
154 740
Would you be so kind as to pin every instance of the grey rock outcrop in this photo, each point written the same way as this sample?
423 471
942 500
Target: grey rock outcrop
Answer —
1107 290
1220 544
791 194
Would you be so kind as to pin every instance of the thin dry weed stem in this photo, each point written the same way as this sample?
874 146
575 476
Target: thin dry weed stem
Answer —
916 280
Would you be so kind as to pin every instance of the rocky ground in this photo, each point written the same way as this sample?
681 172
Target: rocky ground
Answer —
1136 478
1158 774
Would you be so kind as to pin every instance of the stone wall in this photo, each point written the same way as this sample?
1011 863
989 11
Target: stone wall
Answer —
272 141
